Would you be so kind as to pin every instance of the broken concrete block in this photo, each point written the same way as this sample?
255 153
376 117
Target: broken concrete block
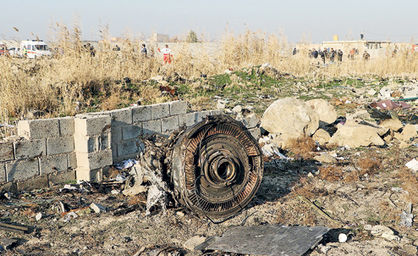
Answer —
191 243
392 124
354 136
160 110
325 111
59 145
178 107
250 120
291 117
66 126
88 125
408 132
169 124
29 148
38 129
6 151
22 169
255 132
141 113
131 131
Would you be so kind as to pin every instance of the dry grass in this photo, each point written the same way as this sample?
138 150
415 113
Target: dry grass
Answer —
409 182
330 173
58 86
303 147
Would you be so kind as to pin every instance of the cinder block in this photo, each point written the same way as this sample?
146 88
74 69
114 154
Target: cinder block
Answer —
92 125
115 150
116 134
72 160
201 115
38 129
66 126
141 113
85 144
151 127
29 148
6 151
86 174
33 183
61 177
94 160
178 107
104 141
22 169
188 119
2 173
169 124
215 112
121 117
53 163
128 148
160 110
131 132
255 132
59 145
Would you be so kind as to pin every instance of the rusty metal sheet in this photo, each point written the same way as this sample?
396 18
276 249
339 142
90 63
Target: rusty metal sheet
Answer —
266 240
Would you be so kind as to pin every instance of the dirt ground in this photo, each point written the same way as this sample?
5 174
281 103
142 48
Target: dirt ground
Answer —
293 192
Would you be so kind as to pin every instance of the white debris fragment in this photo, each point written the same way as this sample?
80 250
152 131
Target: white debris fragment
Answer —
97 208
38 216
126 164
342 238
413 165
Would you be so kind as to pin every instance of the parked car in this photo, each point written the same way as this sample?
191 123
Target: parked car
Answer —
34 49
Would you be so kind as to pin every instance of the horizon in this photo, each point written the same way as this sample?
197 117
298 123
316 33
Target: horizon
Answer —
297 20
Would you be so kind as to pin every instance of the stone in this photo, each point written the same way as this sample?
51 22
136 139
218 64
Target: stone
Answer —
382 231
191 243
392 124
321 136
97 208
413 165
237 109
38 216
325 111
290 117
324 157
356 135
408 133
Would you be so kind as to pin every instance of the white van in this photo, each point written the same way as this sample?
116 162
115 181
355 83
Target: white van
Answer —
34 49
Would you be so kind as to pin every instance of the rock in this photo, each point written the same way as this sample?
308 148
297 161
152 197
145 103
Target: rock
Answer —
324 157
38 216
392 124
342 238
221 104
97 208
325 111
356 135
237 109
290 118
321 136
382 231
404 144
413 165
360 114
193 242
408 132
250 120
134 190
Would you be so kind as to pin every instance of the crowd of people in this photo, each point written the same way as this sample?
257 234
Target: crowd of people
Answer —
331 55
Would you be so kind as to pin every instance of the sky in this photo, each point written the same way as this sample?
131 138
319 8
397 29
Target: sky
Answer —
299 20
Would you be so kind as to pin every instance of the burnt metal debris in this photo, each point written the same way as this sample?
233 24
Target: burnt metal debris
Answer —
266 240
216 167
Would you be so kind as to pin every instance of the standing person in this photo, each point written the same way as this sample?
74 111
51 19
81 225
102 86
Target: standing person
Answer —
323 55
144 50
294 51
314 53
166 54
366 55
332 55
340 55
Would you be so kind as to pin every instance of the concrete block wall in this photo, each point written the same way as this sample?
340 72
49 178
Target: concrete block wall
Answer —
87 144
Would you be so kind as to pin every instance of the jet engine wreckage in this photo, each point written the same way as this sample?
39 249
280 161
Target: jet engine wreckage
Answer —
213 168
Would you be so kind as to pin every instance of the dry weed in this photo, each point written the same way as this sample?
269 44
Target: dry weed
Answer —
303 147
330 173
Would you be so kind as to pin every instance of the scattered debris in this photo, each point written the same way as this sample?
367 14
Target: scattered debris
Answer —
7 243
413 165
38 216
266 240
193 242
97 208
14 228
407 218
342 238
